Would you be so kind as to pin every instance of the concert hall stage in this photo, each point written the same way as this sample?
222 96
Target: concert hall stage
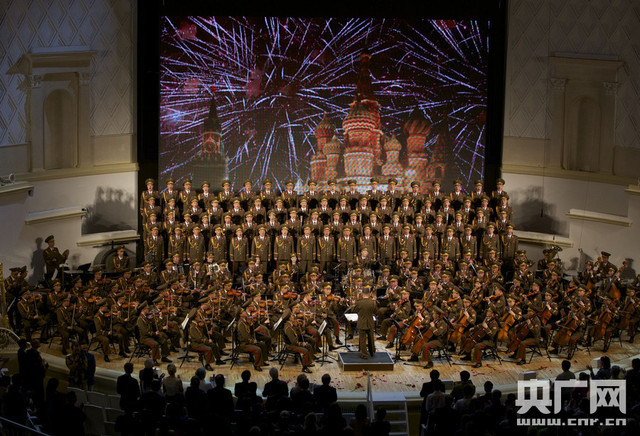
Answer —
351 361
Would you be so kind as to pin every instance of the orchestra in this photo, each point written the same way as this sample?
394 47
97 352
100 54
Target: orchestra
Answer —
443 274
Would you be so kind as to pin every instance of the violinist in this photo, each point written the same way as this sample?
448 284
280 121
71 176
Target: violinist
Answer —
430 296
295 343
54 299
497 302
202 341
401 312
259 311
247 341
486 331
453 305
258 284
534 296
572 329
30 308
15 286
526 333
603 265
588 276
312 316
105 334
126 281
152 335
197 278
436 331
495 275
415 284
329 306
67 324
169 274
101 283
249 274
464 276
149 276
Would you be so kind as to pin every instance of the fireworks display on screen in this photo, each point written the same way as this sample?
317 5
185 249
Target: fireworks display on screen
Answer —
273 80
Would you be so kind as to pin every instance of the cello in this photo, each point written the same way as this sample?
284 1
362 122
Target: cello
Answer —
521 334
563 335
506 323
413 330
478 333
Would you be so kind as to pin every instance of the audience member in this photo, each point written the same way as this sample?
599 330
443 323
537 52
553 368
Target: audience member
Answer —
458 389
205 385
604 372
245 391
380 427
34 368
147 375
360 423
324 394
274 390
566 373
196 400
77 364
172 385
91 366
128 389
220 403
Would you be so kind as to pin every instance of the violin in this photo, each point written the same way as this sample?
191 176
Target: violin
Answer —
234 293
290 295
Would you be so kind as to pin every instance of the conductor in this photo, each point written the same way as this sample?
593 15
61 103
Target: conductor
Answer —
365 308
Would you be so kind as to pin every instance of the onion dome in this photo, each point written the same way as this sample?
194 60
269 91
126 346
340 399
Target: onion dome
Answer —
392 144
333 146
417 124
325 129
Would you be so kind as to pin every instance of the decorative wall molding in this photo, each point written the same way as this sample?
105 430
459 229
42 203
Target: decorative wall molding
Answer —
77 172
605 218
55 215
542 238
106 238
15 188
567 174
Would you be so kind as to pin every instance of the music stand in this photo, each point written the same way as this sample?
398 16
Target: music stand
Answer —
325 347
350 318
397 341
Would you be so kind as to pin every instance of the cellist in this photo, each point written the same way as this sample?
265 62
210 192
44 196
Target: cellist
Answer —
526 333
605 318
630 313
465 319
572 328
437 331
490 326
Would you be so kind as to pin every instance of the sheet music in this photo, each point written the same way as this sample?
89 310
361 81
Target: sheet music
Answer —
277 324
351 317
322 327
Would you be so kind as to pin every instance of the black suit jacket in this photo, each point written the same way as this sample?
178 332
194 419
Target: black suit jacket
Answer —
129 391
323 396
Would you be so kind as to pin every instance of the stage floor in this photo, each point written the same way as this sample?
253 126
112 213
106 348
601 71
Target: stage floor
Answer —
405 377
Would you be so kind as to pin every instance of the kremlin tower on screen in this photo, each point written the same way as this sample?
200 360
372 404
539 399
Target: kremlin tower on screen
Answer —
368 152
211 163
